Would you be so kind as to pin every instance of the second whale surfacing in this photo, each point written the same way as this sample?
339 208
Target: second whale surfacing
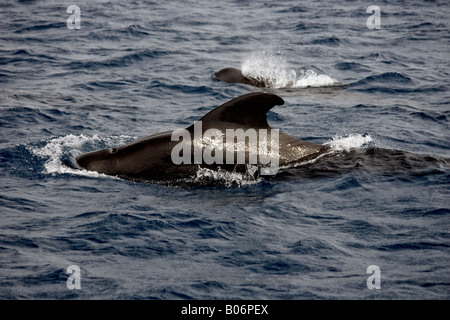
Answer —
152 158
234 75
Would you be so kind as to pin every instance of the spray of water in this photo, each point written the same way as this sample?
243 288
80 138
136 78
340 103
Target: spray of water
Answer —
349 142
56 149
271 69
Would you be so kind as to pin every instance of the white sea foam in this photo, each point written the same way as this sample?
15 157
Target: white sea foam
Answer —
54 150
57 148
349 142
310 78
272 69
227 178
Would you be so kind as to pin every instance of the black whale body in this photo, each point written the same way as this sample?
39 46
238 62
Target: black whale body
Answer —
234 75
149 159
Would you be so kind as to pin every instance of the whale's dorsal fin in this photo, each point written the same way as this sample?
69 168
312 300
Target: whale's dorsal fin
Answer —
248 110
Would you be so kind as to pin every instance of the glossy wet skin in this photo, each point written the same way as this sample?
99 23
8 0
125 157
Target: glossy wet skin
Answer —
145 159
233 75
151 158
101 161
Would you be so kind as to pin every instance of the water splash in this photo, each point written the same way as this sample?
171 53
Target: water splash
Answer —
226 178
350 142
272 70
310 78
57 149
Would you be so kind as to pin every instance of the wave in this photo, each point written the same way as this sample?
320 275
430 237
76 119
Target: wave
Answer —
327 41
123 60
387 78
274 72
395 83
359 153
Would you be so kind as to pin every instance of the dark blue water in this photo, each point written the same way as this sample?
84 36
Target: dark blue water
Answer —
136 68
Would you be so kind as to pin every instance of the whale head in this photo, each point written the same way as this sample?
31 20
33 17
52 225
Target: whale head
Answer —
102 161
142 159
233 75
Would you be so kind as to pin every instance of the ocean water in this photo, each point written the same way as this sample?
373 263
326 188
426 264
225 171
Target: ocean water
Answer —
378 97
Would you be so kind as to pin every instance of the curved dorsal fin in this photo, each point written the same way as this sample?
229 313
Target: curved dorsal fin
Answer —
248 110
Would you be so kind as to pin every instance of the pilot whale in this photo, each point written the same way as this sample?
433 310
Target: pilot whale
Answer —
180 153
234 75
